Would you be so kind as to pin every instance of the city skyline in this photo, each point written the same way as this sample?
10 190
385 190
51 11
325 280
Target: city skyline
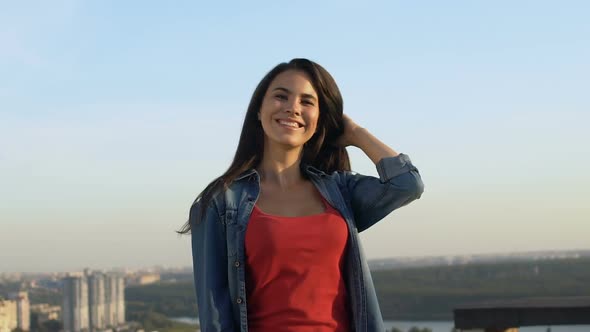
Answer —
113 117
145 274
93 301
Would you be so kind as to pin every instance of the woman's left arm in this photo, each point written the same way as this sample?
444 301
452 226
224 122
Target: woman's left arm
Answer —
398 184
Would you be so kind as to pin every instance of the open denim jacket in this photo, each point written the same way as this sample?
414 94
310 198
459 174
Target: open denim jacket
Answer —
218 240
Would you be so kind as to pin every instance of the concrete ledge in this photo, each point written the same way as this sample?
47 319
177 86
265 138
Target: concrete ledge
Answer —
502 315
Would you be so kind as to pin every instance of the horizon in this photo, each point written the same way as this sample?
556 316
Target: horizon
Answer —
127 269
114 116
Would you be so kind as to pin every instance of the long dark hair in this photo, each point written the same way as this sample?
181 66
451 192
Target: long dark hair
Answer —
320 151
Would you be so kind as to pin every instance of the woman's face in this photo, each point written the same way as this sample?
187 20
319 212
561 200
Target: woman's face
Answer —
290 110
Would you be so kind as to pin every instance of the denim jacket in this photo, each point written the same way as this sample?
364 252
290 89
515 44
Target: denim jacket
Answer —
218 240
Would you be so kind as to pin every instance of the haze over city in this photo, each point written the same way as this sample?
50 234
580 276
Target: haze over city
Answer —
114 116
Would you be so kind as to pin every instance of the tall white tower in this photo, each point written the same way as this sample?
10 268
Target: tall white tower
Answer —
121 300
96 301
75 304
114 299
23 310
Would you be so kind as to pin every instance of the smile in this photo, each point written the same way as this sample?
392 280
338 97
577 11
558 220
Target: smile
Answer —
289 124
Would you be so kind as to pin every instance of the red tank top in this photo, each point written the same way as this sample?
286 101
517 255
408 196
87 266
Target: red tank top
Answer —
294 272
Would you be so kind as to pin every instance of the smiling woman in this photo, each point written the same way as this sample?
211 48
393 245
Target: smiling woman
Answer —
275 238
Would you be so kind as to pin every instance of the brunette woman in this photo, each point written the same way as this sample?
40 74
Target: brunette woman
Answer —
275 239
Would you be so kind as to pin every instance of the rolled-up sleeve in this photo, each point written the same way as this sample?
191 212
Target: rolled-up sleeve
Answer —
373 198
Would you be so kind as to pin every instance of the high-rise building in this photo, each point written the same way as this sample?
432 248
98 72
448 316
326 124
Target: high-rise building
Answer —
93 302
75 304
8 315
110 301
114 299
96 301
23 311
121 300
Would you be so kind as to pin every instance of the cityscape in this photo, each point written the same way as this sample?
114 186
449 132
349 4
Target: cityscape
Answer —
107 301
91 301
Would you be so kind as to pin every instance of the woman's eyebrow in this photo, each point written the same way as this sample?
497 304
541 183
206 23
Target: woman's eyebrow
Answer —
305 95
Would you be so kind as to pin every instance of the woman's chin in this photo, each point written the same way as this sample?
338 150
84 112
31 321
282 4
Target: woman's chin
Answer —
289 144
287 140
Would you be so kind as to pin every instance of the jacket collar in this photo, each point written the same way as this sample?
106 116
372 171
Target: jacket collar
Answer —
246 174
310 170
313 171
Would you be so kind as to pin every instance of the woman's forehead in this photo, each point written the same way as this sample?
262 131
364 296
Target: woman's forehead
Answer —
294 81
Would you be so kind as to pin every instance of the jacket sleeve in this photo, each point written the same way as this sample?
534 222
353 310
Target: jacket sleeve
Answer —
210 270
372 198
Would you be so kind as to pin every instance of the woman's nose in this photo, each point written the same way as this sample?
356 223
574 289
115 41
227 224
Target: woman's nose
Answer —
293 107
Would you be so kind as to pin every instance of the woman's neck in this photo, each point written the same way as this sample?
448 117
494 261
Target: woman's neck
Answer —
281 167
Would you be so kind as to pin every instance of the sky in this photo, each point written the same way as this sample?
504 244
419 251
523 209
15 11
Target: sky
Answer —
115 115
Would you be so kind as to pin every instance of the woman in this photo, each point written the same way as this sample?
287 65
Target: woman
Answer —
275 239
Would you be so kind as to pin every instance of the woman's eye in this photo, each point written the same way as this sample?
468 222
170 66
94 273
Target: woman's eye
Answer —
307 102
282 97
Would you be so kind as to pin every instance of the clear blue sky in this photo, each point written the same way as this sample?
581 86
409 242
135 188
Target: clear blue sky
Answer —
115 115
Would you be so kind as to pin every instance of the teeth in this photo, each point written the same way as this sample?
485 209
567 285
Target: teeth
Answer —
290 124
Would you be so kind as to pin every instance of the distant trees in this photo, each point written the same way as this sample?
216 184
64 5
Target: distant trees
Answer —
417 329
152 320
433 292
169 299
51 326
